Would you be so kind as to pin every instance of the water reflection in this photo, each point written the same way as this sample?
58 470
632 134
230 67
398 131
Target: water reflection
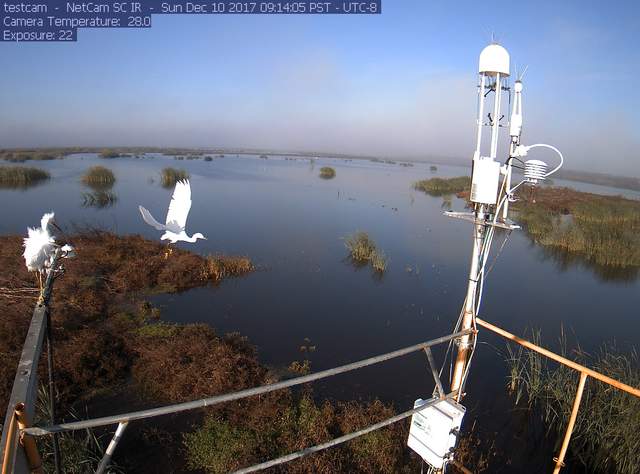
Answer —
606 273
99 199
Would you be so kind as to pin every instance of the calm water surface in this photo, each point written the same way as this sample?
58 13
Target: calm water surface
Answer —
292 224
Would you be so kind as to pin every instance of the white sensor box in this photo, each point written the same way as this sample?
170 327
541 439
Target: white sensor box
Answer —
434 430
485 180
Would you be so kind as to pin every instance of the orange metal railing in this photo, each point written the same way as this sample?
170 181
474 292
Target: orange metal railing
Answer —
584 373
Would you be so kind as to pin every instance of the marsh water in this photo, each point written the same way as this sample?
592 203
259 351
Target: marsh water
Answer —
308 301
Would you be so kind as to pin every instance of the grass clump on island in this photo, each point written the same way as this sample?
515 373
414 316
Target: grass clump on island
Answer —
326 172
605 437
362 249
99 176
21 176
170 176
443 186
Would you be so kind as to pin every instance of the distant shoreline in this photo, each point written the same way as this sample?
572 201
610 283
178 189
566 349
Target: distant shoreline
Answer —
37 154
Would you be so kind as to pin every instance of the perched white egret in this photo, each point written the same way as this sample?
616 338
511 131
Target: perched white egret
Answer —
39 247
176 216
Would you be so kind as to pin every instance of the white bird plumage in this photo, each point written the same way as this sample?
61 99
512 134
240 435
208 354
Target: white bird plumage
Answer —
174 227
40 245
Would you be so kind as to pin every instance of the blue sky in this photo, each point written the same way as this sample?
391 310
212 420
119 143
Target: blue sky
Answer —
398 84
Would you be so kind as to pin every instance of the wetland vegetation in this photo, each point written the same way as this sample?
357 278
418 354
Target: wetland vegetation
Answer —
326 172
605 437
21 176
443 186
604 230
170 176
99 177
112 344
363 250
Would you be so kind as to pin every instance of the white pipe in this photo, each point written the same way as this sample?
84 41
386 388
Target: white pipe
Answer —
495 130
480 113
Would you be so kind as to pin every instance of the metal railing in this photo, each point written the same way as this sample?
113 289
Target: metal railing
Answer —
584 373
22 401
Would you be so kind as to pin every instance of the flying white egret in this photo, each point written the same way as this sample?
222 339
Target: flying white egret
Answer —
174 228
39 247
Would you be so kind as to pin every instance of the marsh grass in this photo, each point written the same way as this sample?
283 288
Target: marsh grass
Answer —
218 267
21 176
286 423
607 432
111 153
99 178
603 229
379 261
99 199
170 176
443 186
81 451
19 156
363 250
326 172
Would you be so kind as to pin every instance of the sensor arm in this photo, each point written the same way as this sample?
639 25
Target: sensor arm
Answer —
551 147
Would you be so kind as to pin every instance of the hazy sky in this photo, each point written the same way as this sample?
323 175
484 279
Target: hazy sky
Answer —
400 84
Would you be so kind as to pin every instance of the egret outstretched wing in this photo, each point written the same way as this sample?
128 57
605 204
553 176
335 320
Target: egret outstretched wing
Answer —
149 219
179 207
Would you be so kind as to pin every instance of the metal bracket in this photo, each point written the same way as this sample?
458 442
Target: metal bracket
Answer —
507 224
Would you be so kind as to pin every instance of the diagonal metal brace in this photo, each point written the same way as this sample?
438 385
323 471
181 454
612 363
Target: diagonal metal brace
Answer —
434 372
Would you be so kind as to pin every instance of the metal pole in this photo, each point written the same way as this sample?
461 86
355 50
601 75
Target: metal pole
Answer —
495 130
572 421
434 372
106 459
52 394
27 441
10 445
469 305
481 88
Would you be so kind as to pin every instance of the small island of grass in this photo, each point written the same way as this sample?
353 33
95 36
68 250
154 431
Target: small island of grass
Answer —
170 176
109 153
99 176
443 186
21 176
363 249
326 172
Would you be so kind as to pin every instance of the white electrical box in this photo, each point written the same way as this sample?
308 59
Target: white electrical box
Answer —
434 430
485 180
